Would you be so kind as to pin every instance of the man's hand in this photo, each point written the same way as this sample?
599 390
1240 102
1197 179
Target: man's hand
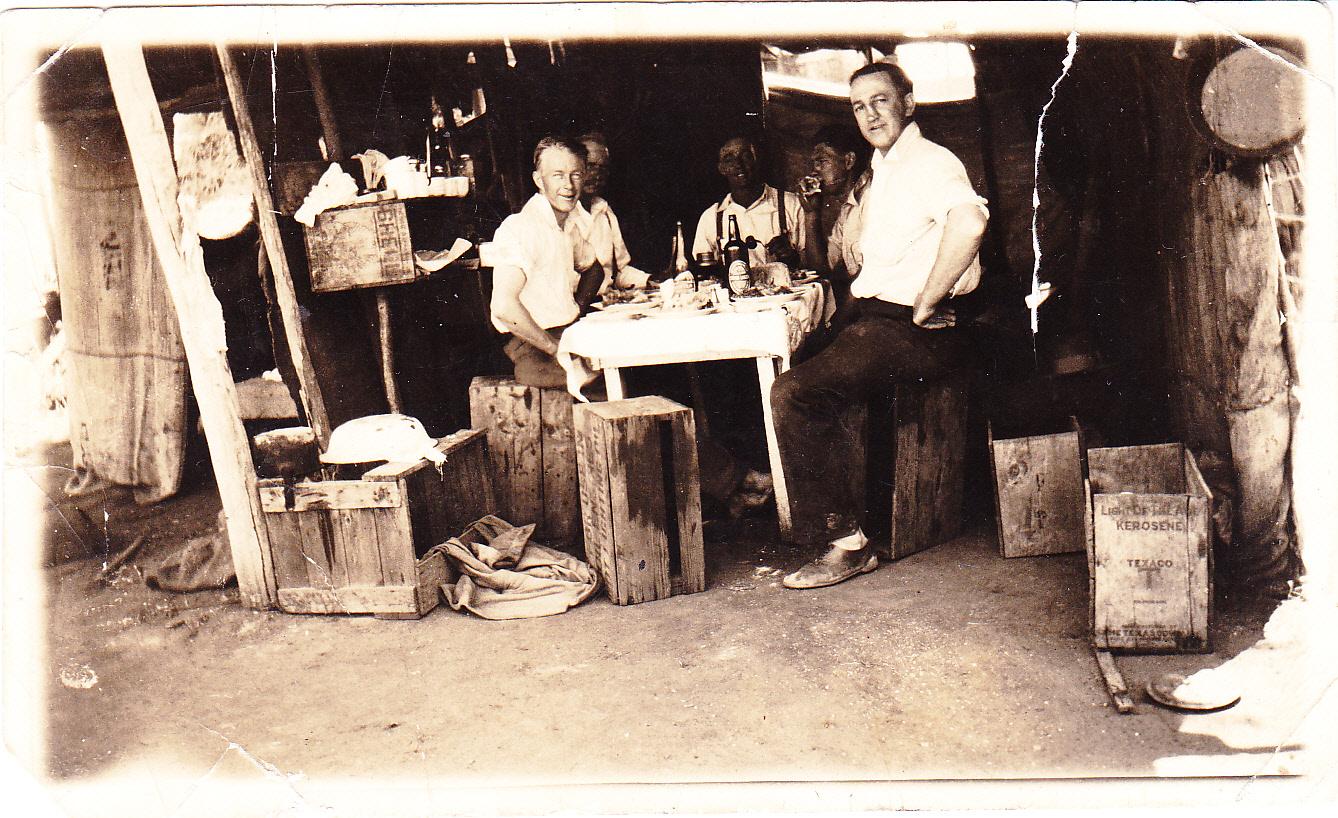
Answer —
931 316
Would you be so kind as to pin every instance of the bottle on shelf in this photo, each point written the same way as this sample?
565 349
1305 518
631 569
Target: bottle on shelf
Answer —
736 259
441 158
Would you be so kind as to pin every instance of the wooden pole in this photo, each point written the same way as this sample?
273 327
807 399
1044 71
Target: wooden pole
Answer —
333 146
312 401
200 317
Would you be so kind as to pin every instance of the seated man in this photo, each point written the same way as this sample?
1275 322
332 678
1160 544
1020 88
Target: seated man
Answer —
912 241
606 236
770 221
839 161
542 259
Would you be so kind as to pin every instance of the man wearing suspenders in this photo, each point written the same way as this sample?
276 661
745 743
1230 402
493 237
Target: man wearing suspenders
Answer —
771 221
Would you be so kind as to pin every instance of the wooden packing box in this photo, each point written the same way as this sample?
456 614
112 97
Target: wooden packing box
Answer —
362 245
641 497
357 546
909 463
533 449
1149 551
1038 493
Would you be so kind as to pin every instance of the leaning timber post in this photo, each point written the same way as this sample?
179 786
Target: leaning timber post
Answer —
201 319
1239 280
313 402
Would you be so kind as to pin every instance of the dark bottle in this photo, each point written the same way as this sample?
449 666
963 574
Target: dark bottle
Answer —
736 259
441 157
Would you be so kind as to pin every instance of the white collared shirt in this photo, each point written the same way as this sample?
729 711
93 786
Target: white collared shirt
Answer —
606 237
895 229
548 256
761 220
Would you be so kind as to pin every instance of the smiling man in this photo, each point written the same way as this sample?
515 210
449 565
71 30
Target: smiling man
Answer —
541 260
911 242
772 218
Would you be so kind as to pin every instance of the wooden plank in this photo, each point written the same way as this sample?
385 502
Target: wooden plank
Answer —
1038 490
636 498
433 572
1110 673
766 376
510 412
399 469
592 461
466 486
395 545
334 146
331 494
1155 469
285 539
685 484
313 403
1089 527
200 318
561 495
350 600
928 465
317 548
362 557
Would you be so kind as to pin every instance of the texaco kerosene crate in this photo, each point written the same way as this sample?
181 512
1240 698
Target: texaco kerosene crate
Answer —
362 245
357 546
1149 550
1038 492
641 497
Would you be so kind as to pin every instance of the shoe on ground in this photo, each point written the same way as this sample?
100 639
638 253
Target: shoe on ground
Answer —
837 565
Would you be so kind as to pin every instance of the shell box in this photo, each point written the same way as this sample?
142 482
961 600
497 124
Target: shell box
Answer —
1149 550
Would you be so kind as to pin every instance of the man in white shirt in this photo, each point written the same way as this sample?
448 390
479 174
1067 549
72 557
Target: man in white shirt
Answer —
541 257
911 242
606 236
772 232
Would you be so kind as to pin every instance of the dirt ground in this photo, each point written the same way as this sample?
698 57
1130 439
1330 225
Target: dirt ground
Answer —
950 664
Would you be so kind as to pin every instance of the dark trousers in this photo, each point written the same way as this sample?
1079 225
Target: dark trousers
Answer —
879 348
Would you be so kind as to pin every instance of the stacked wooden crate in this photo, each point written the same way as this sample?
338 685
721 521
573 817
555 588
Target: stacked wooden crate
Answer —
641 497
531 443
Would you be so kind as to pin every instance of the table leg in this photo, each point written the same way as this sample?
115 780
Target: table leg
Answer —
387 350
766 375
613 383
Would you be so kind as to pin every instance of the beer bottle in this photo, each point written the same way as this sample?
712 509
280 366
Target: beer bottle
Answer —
736 259
680 255
440 144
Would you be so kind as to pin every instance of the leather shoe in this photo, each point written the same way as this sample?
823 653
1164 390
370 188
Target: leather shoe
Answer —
837 565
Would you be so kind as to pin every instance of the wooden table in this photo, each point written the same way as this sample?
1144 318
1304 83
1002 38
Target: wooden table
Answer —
769 335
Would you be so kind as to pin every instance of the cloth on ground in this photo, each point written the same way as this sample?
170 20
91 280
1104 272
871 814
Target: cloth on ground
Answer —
505 576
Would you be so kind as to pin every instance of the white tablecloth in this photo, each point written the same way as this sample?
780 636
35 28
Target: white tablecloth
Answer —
777 330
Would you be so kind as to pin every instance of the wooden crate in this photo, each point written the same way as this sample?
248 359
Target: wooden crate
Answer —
1149 550
1038 493
363 245
641 497
357 546
915 501
533 448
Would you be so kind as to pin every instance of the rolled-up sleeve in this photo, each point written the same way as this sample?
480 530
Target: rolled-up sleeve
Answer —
511 246
947 187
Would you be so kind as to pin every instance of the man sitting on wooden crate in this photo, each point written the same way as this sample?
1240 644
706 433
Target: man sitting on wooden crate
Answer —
544 266
911 243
